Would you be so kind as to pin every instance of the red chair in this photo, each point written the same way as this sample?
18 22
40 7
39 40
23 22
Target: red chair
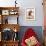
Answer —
29 33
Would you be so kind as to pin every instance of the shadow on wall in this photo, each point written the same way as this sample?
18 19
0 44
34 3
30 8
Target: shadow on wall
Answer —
37 29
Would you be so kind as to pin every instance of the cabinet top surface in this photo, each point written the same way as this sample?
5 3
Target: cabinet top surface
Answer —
1 8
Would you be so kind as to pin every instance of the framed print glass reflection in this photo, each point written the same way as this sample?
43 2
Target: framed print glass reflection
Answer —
30 14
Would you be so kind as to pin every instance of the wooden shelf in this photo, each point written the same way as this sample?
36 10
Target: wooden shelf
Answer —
9 8
9 43
4 12
10 26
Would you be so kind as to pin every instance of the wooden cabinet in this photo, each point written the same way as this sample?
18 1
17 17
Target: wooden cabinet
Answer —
10 43
6 12
5 26
0 43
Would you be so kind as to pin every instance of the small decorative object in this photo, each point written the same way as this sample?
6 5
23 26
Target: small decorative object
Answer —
7 34
6 21
15 36
15 3
5 12
30 14
13 12
15 30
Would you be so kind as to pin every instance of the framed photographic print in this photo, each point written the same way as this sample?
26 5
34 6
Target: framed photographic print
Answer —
5 12
30 14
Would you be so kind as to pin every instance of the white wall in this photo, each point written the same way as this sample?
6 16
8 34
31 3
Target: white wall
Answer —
37 4
24 4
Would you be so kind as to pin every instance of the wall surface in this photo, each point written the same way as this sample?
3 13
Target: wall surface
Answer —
37 4
24 4
37 29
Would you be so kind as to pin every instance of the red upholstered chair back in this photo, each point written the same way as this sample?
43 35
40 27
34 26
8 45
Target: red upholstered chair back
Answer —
29 33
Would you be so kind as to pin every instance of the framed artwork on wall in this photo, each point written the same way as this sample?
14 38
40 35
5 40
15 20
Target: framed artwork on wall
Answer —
30 14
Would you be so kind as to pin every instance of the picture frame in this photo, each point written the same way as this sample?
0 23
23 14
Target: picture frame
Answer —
5 12
30 14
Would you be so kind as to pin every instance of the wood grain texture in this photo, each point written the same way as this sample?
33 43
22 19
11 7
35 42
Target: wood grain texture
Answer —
11 26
